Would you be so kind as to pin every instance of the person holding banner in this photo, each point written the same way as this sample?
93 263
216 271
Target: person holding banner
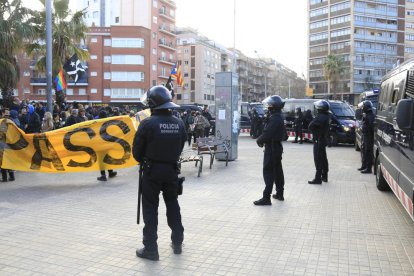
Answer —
157 146
111 173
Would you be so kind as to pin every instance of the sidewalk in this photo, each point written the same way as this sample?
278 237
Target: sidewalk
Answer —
72 224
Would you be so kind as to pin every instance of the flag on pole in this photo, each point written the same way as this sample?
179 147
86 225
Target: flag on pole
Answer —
60 82
177 75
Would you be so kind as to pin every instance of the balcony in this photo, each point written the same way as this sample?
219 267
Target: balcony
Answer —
167 30
83 81
168 2
166 44
164 14
166 60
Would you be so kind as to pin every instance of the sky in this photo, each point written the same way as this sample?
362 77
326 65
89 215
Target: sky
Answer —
273 28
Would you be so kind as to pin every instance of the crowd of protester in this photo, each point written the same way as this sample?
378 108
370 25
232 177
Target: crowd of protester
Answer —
32 117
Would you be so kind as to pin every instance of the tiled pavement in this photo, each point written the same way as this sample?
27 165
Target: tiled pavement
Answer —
74 225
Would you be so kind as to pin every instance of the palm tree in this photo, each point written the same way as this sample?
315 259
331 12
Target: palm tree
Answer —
68 31
333 70
16 28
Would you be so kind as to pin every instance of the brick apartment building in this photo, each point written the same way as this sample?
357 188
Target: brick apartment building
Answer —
118 68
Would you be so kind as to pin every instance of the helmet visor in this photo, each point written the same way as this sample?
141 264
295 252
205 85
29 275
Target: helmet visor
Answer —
144 99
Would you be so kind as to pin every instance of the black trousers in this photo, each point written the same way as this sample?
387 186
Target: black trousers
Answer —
298 132
320 159
272 173
367 154
160 177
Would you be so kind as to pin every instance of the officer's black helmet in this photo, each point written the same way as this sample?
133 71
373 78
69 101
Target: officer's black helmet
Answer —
366 106
274 102
159 97
322 106
298 109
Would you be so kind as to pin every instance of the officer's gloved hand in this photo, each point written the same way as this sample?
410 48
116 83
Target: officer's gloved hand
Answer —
259 144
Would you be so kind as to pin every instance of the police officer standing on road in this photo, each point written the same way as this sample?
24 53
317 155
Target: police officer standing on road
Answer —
299 126
272 138
255 123
320 129
367 148
157 146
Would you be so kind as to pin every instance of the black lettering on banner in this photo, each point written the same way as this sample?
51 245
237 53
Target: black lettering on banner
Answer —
42 145
124 144
71 147
20 144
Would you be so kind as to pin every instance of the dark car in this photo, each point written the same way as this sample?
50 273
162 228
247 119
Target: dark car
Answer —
394 135
245 113
370 96
342 125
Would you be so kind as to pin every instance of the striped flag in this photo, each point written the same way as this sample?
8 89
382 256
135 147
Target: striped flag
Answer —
177 75
60 82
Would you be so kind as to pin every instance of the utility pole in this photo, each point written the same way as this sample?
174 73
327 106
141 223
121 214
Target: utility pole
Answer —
49 55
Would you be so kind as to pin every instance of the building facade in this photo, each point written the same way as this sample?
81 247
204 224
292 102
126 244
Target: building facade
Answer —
367 35
117 71
200 60
156 15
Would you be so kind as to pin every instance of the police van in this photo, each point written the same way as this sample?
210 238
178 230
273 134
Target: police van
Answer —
245 112
342 123
394 135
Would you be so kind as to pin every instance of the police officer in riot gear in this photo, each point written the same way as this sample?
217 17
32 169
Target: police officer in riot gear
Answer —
299 126
271 139
320 129
255 123
157 146
367 148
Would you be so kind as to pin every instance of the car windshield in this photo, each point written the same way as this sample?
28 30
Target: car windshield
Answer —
342 110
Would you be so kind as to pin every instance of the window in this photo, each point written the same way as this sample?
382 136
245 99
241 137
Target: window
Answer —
107 59
127 76
320 11
314 2
409 37
340 32
107 42
154 67
82 91
94 57
94 40
155 3
410 12
26 90
26 73
154 19
340 6
95 14
154 51
94 90
94 74
319 24
318 36
127 42
409 50
340 19
107 75
127 93
128 59
117 19
69 91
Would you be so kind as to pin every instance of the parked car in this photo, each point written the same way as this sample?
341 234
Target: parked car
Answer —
342 125
370 96
394 135
245 113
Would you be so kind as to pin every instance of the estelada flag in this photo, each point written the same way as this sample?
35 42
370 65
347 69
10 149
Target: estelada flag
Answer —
177 75
60 82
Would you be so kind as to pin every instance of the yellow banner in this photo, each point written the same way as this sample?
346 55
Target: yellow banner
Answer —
88 146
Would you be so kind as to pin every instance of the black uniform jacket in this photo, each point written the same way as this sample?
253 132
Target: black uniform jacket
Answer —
159 138
320 127
273 134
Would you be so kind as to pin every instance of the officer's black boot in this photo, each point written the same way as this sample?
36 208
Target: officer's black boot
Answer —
263 201
315 181
177 248
325 178
366 171
147 254
361 169
279 196
3 175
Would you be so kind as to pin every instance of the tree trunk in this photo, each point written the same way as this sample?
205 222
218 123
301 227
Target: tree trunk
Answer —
8 97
